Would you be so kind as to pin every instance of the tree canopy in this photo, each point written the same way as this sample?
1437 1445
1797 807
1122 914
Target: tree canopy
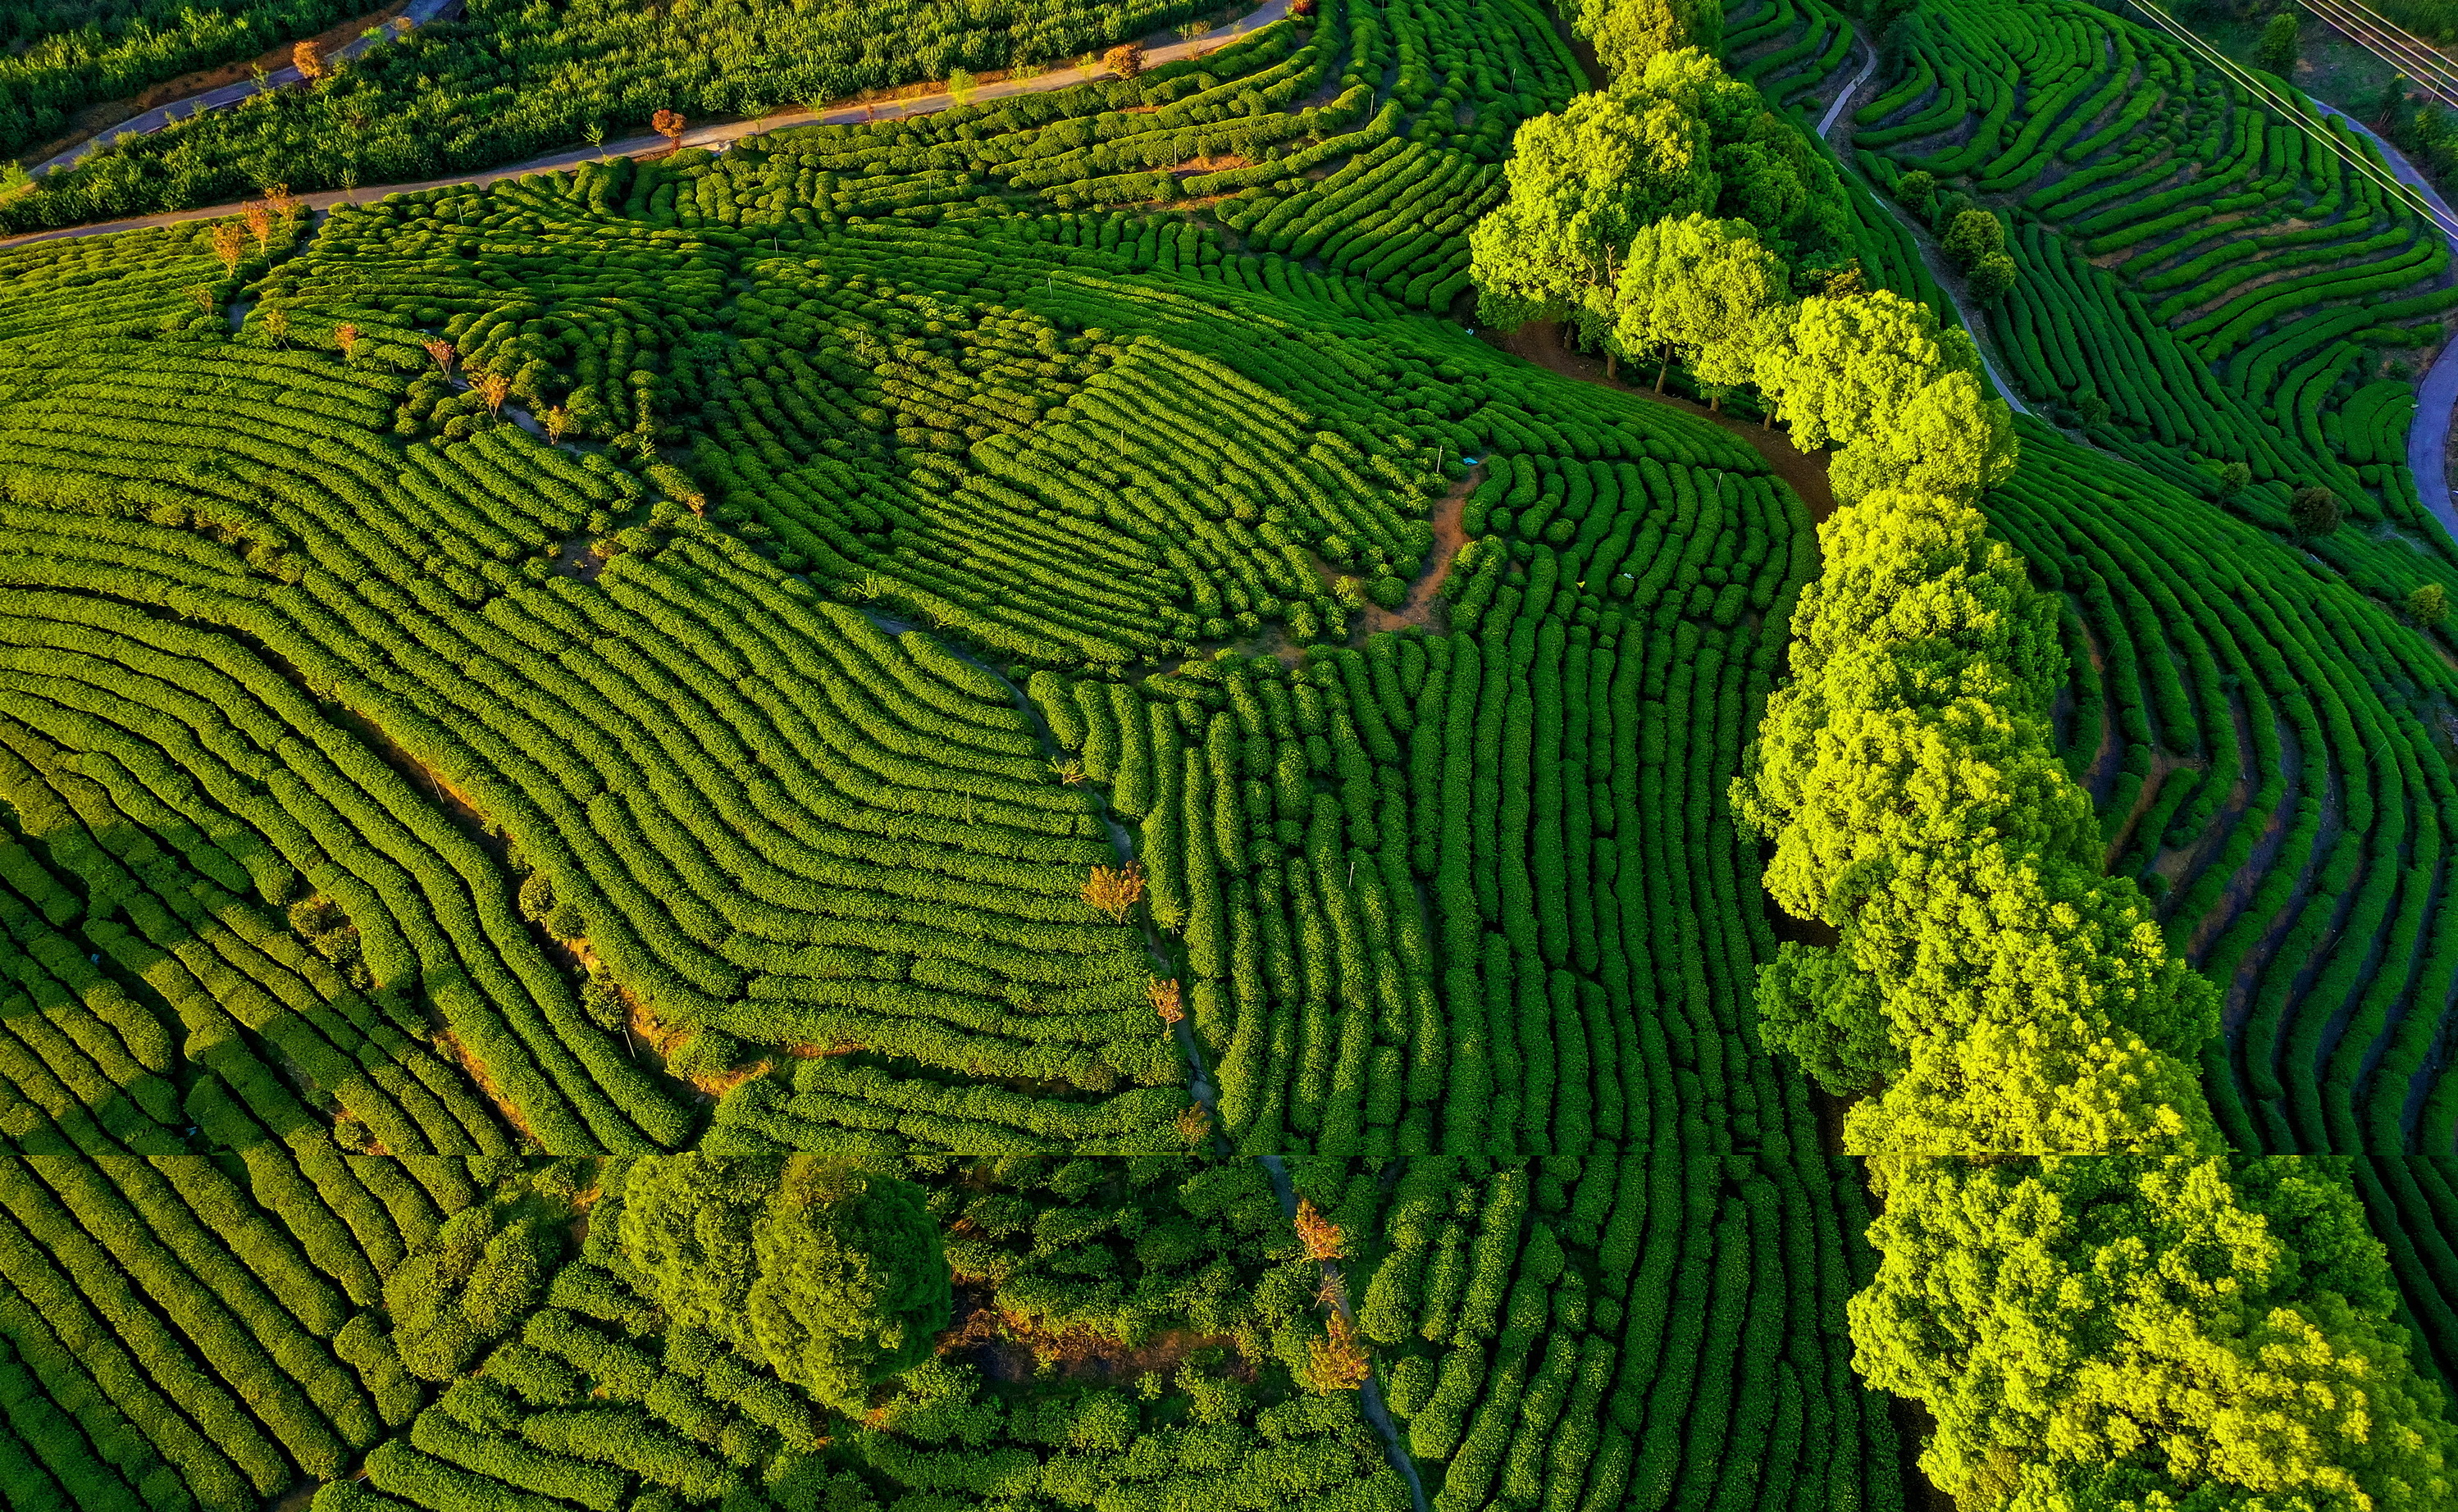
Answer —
2103 1309
833 1276
1702 288
1629 32
1842 371
1679 137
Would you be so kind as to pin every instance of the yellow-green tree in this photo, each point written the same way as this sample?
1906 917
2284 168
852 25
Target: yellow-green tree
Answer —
1700 289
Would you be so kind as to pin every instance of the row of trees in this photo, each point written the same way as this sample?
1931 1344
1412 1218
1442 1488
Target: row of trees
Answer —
2094 1300
2092 1296
1673 217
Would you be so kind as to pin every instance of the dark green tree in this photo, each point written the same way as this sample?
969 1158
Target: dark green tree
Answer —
1994 275
2314 511
1971 235
2276 52
834 1276
1817 1006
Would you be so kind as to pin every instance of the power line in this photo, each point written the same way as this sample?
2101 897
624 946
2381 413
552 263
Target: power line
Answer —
2393 45
2404 193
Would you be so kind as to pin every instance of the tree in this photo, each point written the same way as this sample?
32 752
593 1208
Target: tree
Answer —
2151 1331
2233 479
1126 60
1915 189
1952 441
1682 138
1814 1004
2393 113
2276 52
2314 511
1115 890
959 86
345 340
230 244
1581 183
835 1277
2427 604
1945 207
1628 34
668 124
1841 371
310 63
1993 275
1971 235
1338 1361
1322 1237
1700 288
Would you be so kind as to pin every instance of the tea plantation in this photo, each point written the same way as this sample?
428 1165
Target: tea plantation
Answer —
1174 760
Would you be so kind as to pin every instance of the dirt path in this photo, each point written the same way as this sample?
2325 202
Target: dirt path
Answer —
1450 534
716 137
1540 342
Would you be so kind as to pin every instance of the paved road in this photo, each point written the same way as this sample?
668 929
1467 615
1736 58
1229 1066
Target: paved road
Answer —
2427 440
718 137
1826 123
419 13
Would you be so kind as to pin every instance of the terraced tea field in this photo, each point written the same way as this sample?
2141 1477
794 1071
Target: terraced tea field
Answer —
973 796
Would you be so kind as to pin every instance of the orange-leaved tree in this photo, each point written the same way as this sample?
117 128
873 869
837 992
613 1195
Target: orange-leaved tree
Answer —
1322 1237
230 244
1126 60
1337 1361
310 63
1115 890
668 124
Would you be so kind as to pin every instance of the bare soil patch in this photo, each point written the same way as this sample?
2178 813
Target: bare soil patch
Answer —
1007 1347
575 559
1450 534
1540 342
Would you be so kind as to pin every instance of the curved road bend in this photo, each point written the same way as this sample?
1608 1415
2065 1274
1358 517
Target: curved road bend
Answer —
716 138
1826 122
2427 441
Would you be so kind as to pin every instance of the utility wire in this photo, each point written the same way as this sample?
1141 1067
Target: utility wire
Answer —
2404 193
2402 49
